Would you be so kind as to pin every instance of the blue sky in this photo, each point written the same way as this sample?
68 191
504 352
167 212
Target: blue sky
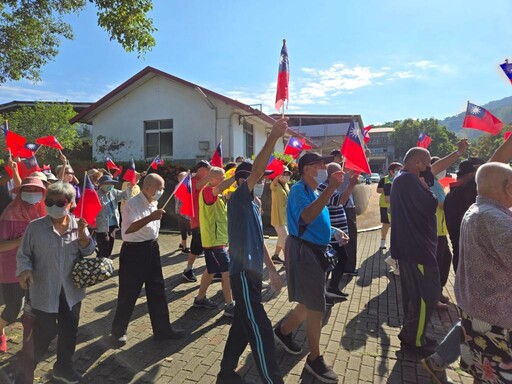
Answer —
384 60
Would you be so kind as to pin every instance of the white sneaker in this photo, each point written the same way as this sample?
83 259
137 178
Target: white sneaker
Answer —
396 271
391 262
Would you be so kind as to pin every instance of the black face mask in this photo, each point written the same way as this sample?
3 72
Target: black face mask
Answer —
428 176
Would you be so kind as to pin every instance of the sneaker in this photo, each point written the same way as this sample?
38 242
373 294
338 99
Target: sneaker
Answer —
118 341
180 246
174 334
396 271
277 260
320 370
204 303
3 343
286 341
383 244
217 278
229 310
335 293
68 376
231 378
265 284
185 250
438 374
390 262
189 275
329 302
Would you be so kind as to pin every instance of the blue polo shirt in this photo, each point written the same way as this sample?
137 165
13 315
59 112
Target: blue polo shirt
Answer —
319 230
245 232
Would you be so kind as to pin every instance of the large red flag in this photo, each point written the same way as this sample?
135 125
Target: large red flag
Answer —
481 119
16 143
276 166
27 166
89 204
295 146
184 193
424 140
353 151
216 160
50 141
130 175
283 78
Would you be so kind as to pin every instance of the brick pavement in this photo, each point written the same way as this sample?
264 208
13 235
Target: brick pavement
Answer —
359 337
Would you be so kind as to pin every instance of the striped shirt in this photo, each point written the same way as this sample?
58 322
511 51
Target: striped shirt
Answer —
51 258
336 210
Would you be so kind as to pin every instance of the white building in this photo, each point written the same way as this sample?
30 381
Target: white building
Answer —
156 113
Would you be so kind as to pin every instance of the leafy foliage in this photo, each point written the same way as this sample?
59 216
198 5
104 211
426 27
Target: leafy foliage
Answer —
407 132
31 31
485 145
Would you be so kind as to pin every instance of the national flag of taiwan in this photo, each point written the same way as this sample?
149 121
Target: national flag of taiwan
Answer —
275 165
111 164
283 78
16 143
216 160
50 141
423 140
130 175
32 147
507 135
89 204
156 162
184 193
27 166
353 152
366 133
295 146
481 119
507 68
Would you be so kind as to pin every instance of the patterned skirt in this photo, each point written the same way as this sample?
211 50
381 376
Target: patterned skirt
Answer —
486 351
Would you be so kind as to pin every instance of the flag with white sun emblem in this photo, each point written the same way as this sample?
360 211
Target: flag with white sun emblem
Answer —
353 152
481 119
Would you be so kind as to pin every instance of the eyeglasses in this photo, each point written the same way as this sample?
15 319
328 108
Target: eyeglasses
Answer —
51 203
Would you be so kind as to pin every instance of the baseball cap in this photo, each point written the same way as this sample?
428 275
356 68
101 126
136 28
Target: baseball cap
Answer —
244 169
203 164
312 158
469 166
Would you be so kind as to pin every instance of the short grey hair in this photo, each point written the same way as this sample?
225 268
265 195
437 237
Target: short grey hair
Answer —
61 189
59 167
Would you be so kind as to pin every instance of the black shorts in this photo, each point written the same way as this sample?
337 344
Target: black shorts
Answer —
196 246
384 218
217 260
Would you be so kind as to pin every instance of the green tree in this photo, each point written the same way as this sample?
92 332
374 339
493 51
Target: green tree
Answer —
44 120
31 31
485 145
407 132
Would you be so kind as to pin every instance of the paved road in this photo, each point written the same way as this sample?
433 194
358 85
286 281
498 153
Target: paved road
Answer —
359 338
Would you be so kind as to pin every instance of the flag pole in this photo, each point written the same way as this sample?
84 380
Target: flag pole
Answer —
10 154
175 189
83 197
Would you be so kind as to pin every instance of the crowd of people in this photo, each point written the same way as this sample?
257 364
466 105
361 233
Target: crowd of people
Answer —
315 222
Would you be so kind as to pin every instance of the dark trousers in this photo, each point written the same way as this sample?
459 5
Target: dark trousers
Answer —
421 288
444 259
184 225
337 272
48 325
251 325
139 264
105 242
351 246
13 298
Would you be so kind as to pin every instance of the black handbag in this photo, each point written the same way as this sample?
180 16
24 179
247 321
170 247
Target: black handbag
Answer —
93 270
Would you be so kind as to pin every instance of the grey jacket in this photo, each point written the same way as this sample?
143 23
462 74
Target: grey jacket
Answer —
113 197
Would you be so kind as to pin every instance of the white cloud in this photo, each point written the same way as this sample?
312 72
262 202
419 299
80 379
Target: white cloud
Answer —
33 92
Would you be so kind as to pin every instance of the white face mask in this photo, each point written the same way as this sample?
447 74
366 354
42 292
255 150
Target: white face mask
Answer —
258 189
440 175
158 195
321 176
31 197
57 212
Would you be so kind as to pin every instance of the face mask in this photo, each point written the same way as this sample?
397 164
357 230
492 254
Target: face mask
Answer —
321 176
56 212
31 197
285 179
258 190
107 188
158 194
440 175
428 176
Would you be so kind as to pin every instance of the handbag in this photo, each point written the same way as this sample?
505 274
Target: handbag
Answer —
93 270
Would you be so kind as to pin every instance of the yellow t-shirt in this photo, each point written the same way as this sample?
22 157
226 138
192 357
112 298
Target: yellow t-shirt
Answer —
279 201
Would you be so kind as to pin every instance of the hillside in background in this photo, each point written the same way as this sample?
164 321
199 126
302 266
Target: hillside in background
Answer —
502 109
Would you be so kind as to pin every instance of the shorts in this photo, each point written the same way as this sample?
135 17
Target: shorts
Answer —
282 234
306 278
217 260
384 218
196 246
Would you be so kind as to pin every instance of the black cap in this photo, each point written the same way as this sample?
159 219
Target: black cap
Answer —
312 158
106 179
335 152
203 164
469 166
244 169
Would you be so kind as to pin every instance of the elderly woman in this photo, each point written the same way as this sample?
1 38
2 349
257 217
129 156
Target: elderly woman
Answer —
27 206
65 173
49 249
280 191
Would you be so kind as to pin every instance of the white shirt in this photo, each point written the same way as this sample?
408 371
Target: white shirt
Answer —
135 209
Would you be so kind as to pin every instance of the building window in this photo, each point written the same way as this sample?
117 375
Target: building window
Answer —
158 138
248 139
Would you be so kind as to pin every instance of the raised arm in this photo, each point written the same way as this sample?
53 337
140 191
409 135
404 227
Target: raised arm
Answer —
445 162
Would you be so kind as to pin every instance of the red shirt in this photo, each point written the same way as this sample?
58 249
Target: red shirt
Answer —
194 221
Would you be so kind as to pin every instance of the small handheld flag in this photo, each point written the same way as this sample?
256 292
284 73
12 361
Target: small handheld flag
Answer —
353 151
366 133
89 205
111 164
423 140
216 160
184 193
130 175
481 119
50 141
156 162
295 146
276 166
507 68
283 79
